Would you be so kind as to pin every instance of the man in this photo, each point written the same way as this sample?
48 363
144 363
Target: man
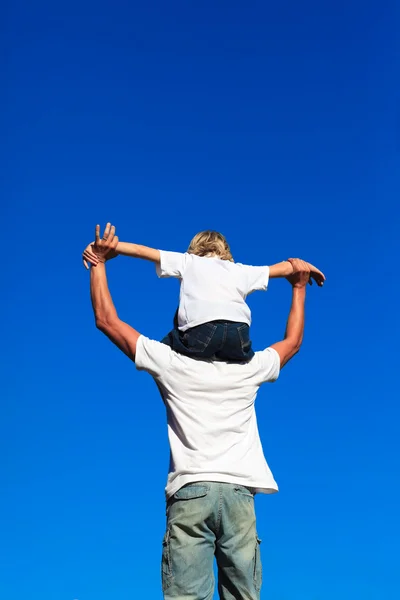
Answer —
217 462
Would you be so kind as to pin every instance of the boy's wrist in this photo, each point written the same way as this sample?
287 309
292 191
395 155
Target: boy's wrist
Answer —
289 267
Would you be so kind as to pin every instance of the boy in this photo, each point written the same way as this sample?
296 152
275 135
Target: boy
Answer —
213 319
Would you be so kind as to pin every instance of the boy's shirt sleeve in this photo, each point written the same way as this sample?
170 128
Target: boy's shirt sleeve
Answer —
172 264
255 278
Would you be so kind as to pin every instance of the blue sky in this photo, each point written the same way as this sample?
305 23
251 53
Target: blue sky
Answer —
276 124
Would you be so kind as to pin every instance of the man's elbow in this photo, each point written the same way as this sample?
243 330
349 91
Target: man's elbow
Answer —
292 350
297 345
103 324
295 349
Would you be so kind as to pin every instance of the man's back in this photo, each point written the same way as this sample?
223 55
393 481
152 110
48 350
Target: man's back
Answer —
212 424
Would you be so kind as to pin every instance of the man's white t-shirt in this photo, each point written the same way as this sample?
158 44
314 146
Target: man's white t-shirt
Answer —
212 425
211 289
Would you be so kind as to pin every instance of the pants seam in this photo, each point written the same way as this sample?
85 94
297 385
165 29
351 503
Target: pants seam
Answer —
219 515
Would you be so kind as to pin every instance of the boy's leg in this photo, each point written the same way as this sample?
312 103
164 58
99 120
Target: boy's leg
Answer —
168 339
236 346
189 543
202 341
238 546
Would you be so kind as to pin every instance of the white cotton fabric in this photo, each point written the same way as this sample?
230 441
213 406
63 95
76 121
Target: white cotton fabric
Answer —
212 425
211 289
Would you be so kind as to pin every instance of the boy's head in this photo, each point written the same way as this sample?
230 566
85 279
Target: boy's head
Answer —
210 243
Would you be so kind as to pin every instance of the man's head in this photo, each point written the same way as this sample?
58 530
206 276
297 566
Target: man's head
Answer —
210 243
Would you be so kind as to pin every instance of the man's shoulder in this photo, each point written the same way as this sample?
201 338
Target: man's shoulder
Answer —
266 354
267 362
151 355
150 345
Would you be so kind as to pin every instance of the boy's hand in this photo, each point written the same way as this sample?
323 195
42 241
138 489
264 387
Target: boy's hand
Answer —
315 273
101 249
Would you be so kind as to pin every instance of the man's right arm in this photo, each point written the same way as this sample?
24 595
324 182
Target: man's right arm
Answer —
106 317
292 341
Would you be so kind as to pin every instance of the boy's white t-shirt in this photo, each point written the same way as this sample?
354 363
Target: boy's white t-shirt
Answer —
212 425
211 289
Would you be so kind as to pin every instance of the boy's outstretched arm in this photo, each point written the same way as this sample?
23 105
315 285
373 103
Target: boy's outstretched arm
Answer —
282 269
137 251
285 269
126 249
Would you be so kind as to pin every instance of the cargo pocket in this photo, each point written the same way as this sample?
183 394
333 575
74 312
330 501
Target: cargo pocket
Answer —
257 574
241 490
191 491
166 569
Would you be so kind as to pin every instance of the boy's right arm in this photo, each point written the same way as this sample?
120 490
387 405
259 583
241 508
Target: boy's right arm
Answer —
126 249
137 251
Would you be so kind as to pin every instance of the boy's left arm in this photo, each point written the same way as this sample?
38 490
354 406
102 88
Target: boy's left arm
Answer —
282 269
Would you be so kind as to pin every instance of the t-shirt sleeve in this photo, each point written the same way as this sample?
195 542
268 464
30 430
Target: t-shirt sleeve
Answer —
269 365
152 357
255 278
172 264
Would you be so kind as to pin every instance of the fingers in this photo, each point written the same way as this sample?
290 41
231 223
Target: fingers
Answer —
102 246
108 235
88 252
299 265
306 271
111 234
89 257
106 232
318 277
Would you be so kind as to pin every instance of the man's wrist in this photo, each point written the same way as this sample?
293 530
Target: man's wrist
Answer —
299 288
101 263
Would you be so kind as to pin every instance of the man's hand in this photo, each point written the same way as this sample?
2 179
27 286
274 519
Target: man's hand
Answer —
301 273
89 257
315 273
101 249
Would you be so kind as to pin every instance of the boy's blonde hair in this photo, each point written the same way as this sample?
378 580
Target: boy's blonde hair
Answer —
210 243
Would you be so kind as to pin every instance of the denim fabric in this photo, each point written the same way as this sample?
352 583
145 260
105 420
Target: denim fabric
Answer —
207 519
224 340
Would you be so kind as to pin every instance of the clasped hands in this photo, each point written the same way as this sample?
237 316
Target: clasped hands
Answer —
101 249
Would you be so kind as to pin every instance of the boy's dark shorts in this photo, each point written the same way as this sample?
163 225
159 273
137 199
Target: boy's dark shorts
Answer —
223 340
